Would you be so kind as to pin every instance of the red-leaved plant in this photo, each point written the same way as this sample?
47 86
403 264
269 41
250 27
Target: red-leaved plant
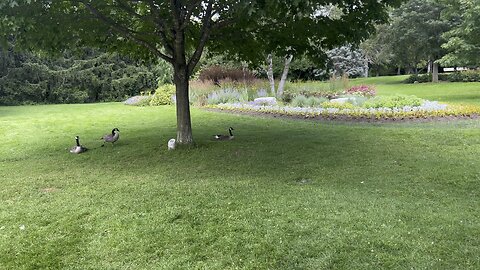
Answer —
361 90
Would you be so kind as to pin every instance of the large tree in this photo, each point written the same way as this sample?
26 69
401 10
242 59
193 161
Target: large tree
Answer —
347 60
463 44
377 50
178 31
414 36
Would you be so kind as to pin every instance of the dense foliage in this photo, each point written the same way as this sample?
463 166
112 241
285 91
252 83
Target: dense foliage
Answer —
89 76
413 38
463 45
348 60
164 95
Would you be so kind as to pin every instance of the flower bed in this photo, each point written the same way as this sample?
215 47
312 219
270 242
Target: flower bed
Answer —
427 109
361 90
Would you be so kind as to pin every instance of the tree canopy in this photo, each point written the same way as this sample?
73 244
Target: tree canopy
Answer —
178 31
87 76
463 44
416 32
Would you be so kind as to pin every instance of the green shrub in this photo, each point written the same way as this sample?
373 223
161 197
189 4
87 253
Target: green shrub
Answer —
397 101
299 101
337 105
163 95
419 78
315 101
463 76
288 94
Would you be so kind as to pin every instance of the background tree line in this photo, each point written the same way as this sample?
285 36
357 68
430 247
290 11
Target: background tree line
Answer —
86 76
419 36
424 34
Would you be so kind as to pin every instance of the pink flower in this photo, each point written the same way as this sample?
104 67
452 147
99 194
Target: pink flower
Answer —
362 90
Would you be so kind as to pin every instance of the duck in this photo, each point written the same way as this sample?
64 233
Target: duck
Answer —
77 149
220 137
113 137
171 144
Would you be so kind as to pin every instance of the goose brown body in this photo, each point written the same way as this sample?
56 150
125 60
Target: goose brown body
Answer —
220 137
112 137
78 148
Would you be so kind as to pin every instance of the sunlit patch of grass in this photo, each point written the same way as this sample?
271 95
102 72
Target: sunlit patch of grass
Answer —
283 194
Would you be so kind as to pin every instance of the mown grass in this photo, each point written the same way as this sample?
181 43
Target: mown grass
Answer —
455 93
284 194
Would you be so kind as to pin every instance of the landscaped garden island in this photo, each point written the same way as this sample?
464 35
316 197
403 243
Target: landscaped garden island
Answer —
335 100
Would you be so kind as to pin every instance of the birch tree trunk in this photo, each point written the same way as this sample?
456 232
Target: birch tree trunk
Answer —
365 68
270 74
281 85
435 72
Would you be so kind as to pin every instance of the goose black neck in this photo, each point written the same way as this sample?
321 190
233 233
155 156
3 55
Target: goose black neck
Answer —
78 141
113 131
230 131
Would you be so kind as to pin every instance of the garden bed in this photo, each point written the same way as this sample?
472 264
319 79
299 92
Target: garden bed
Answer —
416 114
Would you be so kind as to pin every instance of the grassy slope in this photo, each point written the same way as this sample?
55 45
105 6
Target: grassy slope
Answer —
376 196
459 93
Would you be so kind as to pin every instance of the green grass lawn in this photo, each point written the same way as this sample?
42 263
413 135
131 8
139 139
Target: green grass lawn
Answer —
455 93
284 194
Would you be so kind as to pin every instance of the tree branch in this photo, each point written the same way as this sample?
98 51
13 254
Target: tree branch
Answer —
205 33
176 10
161 25
126 32
188 13
124 6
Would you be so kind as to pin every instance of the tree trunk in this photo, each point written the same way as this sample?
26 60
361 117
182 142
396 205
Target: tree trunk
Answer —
270 73
184 125
181 75
429 66
435 72
281 85
365 68
399 71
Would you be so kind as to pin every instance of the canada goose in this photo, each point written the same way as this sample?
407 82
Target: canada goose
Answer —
113 137
220 137
171 144
77 149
